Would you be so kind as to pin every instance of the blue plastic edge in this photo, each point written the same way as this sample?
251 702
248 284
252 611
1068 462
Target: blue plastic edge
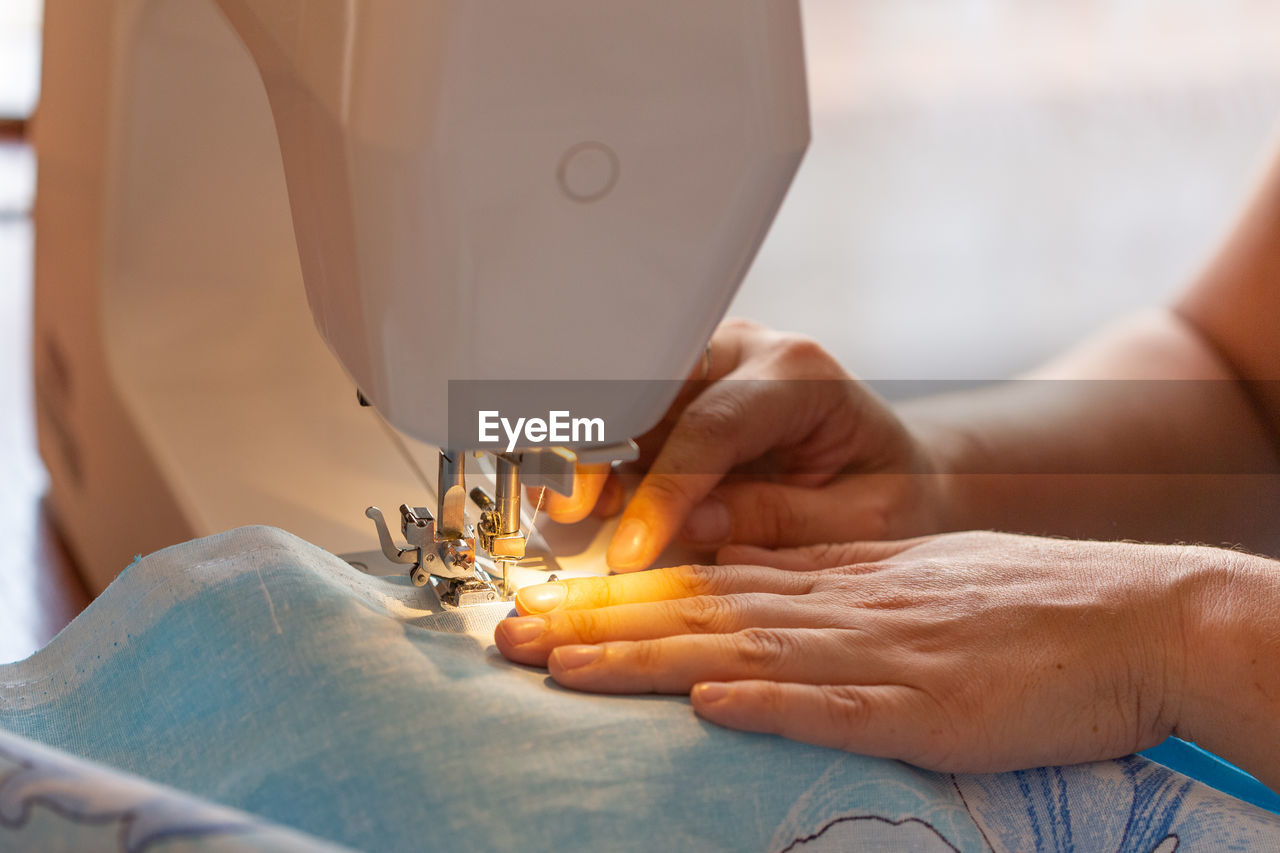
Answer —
1190 760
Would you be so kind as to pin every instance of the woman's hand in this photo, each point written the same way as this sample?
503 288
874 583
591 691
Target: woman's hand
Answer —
831 460
968 652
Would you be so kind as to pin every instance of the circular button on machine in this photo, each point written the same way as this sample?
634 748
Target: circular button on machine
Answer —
588 171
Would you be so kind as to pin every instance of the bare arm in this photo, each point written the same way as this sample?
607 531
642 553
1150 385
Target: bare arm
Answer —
1172 452
1186 448
1231 701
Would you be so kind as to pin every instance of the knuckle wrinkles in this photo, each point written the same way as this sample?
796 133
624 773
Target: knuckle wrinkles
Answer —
775 517
776 698
706 614
830 555
715 418
762 649
775 706
669 488
599 592
847 710
700 580
591 628
644 655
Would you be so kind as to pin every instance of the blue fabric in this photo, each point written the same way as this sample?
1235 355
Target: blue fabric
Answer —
258 672
1203 766
51 801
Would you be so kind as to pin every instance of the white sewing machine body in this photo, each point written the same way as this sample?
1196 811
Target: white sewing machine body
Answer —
568 189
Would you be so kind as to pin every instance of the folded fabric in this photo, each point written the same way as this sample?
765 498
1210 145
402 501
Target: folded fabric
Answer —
51 801
260 673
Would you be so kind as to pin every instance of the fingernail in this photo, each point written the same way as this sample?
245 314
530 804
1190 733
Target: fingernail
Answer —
573 657
524 629
543 597
626 551
708 524
709 693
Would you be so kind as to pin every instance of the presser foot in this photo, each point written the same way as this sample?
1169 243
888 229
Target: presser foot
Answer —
446 565
456 592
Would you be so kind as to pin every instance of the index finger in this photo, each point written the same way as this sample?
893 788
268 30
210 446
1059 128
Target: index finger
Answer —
659 585
734 421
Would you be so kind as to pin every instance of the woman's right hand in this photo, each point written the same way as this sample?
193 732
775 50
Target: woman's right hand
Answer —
775 446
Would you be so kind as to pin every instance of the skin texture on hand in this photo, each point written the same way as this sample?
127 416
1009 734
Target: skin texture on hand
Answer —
969 652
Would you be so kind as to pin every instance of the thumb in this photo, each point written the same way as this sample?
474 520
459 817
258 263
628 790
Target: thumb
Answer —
589 482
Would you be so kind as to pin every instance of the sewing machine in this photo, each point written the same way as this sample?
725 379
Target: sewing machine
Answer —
459 190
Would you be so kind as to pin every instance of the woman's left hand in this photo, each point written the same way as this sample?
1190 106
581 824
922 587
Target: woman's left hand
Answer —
970 652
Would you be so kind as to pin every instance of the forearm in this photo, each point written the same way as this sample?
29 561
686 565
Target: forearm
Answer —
1230 703
1145 433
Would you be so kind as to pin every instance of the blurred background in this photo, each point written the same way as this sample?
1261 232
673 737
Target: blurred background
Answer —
39 590
989 181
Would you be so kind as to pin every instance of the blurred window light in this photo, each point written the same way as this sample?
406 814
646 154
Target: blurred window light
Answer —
19 56
992 180
863 52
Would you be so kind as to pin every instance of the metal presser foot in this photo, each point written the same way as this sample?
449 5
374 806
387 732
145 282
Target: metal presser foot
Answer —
448 565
